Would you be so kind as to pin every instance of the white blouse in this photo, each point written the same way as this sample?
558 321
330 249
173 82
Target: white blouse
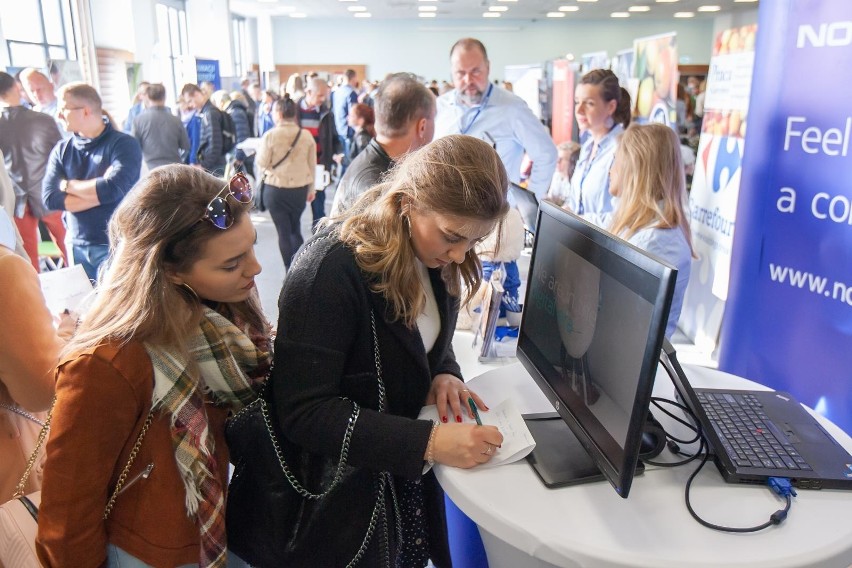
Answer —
428 322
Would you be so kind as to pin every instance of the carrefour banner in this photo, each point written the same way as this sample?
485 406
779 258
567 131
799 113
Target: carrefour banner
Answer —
788 321
716 183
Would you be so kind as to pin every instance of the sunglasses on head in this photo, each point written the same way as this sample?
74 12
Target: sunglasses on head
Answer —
219 211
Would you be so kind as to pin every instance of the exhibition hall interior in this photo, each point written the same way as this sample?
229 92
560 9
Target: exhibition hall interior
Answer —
425 283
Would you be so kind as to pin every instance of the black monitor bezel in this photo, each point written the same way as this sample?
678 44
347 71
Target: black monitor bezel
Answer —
620 475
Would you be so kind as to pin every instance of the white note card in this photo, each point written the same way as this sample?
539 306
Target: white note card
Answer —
517 440
65 288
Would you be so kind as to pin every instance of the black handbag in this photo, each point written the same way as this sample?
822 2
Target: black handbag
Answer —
261 186
277 488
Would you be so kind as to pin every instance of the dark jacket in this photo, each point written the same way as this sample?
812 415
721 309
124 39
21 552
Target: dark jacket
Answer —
26 139
324 351
238 112
210 154
364 172
326 138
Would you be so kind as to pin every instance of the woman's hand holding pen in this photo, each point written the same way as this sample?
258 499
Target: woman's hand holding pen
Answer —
465 445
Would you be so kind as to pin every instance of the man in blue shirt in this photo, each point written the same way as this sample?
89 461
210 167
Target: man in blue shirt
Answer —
343 98
88 175
478 108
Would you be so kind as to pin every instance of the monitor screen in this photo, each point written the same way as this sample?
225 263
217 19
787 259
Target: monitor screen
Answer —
593 324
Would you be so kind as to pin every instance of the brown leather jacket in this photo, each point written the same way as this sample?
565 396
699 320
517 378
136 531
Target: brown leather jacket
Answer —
103 398
26 139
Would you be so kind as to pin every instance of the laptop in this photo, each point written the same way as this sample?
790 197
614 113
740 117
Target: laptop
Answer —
527 204
754 435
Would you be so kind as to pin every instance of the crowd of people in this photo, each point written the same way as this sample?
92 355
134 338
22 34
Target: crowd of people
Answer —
153 383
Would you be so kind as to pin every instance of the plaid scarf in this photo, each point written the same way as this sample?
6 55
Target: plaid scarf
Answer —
226 359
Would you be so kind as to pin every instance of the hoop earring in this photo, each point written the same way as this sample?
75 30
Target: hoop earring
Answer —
188 291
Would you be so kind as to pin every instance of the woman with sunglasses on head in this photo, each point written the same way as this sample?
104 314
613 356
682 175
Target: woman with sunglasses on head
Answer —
175 341
364 341
602 108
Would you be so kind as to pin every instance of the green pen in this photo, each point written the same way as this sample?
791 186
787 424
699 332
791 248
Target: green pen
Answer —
475 411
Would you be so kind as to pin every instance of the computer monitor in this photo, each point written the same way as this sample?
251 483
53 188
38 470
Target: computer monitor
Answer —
527 204
593 324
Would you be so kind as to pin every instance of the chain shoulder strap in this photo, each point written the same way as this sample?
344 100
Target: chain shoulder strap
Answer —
42 435
123 477
21 412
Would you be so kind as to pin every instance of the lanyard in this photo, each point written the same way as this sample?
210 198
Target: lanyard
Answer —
466 129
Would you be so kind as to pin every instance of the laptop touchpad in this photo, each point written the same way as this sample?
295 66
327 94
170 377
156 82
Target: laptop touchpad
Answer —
810 433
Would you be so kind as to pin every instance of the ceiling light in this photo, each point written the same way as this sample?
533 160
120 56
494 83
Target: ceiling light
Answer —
639 9
498 8
737 1
556 14
709 8
340 0
427 14
363 15
666 1
298 15
491 14
357 9
568 8
619 15
427 8
684 15
587 0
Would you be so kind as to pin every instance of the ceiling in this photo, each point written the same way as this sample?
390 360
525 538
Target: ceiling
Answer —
474 9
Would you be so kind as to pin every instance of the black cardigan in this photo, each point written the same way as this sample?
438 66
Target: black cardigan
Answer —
324 351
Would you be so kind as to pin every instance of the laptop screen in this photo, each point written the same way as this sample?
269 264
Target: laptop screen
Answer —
527 203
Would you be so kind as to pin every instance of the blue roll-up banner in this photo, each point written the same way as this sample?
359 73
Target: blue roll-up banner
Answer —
788 319
208 70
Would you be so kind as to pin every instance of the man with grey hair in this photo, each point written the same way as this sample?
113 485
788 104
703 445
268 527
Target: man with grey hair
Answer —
405 121
316 117
43 96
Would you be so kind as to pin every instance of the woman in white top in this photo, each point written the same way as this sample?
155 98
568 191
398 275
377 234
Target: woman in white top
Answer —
602 108
651 210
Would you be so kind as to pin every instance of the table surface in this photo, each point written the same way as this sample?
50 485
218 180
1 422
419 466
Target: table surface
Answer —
590 525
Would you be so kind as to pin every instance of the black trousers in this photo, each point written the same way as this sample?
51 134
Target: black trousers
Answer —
318 208
285 205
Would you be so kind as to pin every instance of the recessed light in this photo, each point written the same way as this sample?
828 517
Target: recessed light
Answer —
298 15
556 14
427 8
491 14
639 9
498 8
267 1
709 8
684 15
568 8
587 0
667 1
363 15
619 15
427 14
357 8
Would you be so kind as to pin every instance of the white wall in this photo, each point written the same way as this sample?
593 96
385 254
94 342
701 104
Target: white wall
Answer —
423 48
110 20
209 23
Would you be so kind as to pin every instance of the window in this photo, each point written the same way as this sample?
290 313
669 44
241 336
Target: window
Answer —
173 46
37 32
238 27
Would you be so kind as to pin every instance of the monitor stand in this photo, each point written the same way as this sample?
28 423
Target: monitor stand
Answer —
558 457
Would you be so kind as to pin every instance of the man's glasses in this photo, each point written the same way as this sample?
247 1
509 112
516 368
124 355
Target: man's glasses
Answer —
219 211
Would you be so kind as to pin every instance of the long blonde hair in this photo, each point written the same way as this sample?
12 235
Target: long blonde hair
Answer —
455 175
156 231
653 183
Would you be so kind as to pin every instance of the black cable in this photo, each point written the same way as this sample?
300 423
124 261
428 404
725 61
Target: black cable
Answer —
780 486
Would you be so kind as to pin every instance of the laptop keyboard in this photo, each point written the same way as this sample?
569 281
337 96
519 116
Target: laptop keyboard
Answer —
747 434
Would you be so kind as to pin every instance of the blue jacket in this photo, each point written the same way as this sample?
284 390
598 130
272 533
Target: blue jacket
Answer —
113 158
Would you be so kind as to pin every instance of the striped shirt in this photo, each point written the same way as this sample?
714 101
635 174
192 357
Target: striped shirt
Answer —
310 121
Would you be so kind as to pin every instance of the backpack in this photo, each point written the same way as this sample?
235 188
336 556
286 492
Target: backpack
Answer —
229 132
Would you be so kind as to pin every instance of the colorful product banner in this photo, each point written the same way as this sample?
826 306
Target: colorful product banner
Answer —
716 183
655 68
788 319
562 108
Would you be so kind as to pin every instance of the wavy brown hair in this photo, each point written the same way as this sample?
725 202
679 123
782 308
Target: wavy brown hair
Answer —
653 183
157 231
455 175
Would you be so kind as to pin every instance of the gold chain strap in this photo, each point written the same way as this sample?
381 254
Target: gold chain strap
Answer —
123 477
19 490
